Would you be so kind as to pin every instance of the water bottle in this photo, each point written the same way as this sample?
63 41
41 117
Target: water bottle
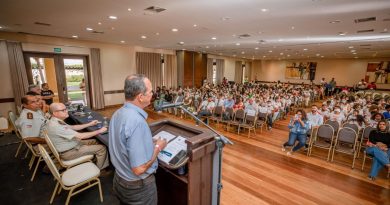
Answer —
105 122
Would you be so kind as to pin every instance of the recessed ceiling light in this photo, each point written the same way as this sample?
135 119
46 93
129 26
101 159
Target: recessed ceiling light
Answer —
257 48
181 43
122 41
353 51
157 33
243 52
317 54
322 56
288 55
234 55
220 53
129 9
356 57
175 30
112 28
89 29
207 47
292 27
342 33
264 10
194 25
226 18
281 54
350 47
270 51
214 38
74 36
99 23
335 21
237 44
264 56
305 49
143 37
1 27
280 40
113 17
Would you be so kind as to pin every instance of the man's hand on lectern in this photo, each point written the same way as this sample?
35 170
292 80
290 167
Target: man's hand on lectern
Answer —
162 143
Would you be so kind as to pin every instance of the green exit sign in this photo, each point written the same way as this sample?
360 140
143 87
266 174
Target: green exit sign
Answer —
57 50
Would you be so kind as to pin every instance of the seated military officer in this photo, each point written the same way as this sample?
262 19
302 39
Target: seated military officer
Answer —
72 144
31 121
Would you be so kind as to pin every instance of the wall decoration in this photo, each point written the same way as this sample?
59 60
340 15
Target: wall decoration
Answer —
301 70
378 72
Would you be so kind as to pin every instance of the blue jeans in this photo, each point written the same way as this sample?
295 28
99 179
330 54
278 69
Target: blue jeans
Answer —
379 160
293 137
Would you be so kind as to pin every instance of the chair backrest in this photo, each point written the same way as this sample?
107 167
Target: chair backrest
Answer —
230 111
347 135
251 112
218 110
52 148
367 131
239 115
352 126
335 125
325 131
50 163
250 119
262 116
12 118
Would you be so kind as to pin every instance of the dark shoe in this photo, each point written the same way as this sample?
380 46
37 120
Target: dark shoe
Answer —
371 178
105 172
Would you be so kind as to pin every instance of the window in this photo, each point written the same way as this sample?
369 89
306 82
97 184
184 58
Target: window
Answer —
243 74
163 70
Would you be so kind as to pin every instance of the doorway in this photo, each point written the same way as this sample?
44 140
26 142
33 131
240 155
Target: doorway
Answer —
66 76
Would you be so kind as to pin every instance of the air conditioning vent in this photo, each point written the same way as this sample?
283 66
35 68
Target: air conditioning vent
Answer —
244 36
42 24
154 9
362 20
365 31
363 45
98 32
388 19
261 41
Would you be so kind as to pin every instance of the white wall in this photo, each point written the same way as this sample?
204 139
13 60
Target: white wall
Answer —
117 60
230 65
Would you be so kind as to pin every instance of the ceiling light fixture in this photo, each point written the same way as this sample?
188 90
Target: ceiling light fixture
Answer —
226 18
335 21
264 10
143 37
257 48
237 44
342 33
113 17
129 9
213 38
1 27
175 30
122 41
353 51
181 43
89 29
350 47
157 33
195 25
74 36
305 49
99 23
207 47
270 51
292 27
243 52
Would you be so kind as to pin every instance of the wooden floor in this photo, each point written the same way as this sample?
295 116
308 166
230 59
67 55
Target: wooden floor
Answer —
256 171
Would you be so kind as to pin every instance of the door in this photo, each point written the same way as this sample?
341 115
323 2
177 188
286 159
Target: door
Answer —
66 75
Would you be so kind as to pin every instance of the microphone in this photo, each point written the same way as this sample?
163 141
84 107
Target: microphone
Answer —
170 105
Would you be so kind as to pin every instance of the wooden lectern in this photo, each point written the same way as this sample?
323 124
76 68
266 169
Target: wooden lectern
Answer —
195 187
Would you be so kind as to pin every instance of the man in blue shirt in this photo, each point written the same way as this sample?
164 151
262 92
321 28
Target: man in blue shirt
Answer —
132 150
386 114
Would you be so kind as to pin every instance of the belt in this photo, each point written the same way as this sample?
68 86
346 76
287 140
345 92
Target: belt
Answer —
139 182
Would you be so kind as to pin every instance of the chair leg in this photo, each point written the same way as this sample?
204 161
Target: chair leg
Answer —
353 160
31 162
68 198
17 151
100 191
54 193
364 161
36 167
25 156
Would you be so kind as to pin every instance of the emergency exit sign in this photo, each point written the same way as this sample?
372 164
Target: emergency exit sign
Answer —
57 50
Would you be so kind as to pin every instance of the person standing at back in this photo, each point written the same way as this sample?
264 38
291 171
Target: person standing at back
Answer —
132 150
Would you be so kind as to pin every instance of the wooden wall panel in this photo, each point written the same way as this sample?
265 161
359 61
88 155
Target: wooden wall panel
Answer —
188 70
200 68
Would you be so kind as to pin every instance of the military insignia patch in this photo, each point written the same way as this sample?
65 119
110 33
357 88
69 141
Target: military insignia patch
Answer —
30 116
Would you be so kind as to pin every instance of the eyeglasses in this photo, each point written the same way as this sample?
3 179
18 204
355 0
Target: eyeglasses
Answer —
63 110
